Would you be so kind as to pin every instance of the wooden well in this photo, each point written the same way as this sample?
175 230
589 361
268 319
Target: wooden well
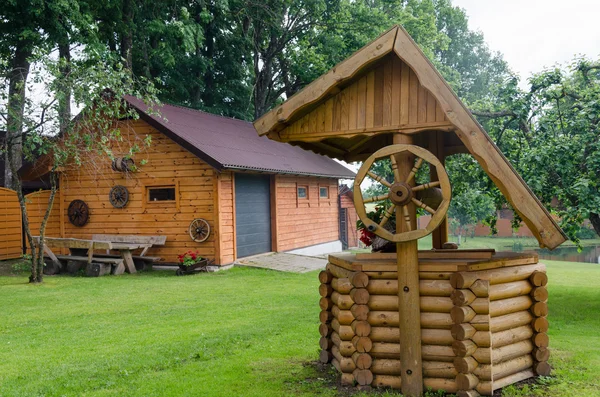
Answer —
483 319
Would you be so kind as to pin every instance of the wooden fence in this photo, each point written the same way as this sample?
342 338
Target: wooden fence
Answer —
11 241
11 227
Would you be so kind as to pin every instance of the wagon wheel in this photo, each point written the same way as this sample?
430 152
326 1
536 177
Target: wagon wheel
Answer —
78 212
118 196
199 230
402 193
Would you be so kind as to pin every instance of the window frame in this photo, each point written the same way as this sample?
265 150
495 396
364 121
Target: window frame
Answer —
326 197
298 187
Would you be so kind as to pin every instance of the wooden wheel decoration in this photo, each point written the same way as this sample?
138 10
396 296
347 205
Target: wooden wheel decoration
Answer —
118 196
402 192
78 212
199 230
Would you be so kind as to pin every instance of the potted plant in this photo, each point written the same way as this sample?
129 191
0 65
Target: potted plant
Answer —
369 238
191 260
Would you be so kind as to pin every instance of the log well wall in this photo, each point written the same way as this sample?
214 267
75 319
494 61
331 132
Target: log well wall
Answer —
483 326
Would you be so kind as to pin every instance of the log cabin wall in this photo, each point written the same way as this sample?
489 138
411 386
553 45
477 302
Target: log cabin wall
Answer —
226 195
168 164
387 97
302 222
11 244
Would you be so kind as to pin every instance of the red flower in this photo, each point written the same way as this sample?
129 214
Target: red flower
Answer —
366 237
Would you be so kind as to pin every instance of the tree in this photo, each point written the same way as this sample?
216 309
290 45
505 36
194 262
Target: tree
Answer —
468 208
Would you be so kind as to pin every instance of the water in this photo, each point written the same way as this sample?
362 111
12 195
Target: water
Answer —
588 254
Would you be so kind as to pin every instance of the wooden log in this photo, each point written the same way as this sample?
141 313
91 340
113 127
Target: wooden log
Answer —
325 356
510 290
325 277
391 381
428 352
466 381
462 331
325 343
483 355
465 365
435 384
345 347
361 328
539 309
362 344
363 377
428 336
362 360
426 287
384 275
338 272
540 340
344 317
391 319
538 279
325 316
344 331
435 304
481 288
431 369
481 322
346 363
344 302
510 352
540 324
464 348
513 366
510 305
462 314
359 280
342 285
325 290
510 336
542 368
462 297
539 294
483 372
541 354
482 338
360 312
511 379
480 305
325 330
347 379
512 320
495 276
325 304
360 296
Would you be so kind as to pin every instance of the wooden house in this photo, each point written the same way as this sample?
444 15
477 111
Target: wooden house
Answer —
256 195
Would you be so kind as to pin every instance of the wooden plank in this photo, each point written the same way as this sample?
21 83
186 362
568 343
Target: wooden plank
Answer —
344 109
431 105
329 115
387 92
352 101
413 102
125 238
73 243
370 108
379 97
362 102
422 109
396 90
129 264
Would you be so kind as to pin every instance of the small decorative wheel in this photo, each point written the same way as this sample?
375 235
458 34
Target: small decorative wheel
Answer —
78 212
199 230
118 196
402 193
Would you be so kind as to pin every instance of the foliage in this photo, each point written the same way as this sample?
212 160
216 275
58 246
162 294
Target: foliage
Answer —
470 207
189 258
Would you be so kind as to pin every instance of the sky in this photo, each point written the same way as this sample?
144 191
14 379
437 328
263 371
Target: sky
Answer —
534 34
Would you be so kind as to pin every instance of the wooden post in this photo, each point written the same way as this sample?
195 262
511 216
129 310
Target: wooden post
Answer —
408 292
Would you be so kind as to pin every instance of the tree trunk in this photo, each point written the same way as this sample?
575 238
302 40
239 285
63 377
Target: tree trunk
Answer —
64 102
595 220
127 33
38 261
16 108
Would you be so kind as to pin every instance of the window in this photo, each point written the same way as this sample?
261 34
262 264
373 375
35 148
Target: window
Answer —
323 192
163 193
303 192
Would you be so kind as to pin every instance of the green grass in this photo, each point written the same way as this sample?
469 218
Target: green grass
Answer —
243 332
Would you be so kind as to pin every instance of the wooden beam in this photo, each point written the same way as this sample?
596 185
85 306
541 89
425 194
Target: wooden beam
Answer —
480 145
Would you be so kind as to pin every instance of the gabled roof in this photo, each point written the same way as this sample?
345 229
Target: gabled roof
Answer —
230 144
396 43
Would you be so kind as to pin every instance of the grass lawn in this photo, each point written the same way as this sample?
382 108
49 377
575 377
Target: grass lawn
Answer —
243 332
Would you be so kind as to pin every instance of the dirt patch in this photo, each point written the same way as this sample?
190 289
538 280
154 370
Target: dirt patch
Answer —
14 267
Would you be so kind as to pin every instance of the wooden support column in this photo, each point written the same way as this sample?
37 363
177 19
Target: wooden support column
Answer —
440 234
408 291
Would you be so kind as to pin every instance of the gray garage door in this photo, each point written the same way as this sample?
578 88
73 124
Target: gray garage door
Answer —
252 214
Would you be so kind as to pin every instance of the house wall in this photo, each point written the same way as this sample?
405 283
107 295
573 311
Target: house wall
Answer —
227 217
303 222
167 164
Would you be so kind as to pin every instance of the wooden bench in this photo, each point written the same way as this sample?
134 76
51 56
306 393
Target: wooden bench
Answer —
141 260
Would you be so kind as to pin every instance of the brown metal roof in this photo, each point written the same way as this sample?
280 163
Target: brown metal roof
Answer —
227 143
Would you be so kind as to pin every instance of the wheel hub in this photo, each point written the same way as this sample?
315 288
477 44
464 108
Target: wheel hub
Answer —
401 193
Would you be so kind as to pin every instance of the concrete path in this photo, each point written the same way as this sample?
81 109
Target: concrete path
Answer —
284 262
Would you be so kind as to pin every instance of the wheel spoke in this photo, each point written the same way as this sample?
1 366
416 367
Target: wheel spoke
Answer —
406 218
386 216
414 170
426 186
395 168
421 204
379 179
376 198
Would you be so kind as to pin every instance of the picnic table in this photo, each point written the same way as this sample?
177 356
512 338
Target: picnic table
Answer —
83 251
